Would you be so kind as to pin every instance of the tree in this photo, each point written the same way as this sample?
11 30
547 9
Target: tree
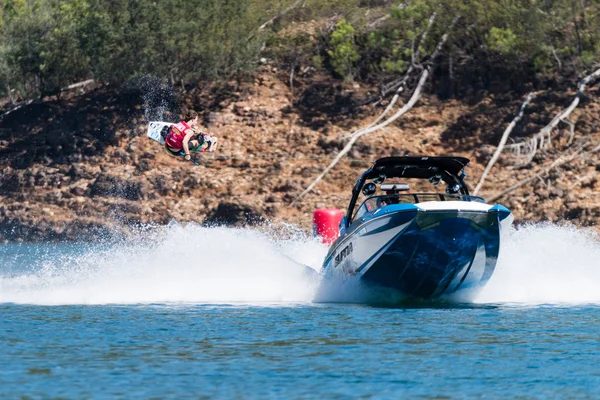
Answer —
344 54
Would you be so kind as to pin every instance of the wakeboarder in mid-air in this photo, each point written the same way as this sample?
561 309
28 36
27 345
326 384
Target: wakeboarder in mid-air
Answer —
183 138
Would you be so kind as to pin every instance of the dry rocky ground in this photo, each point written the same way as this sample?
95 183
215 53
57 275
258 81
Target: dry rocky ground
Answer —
82 166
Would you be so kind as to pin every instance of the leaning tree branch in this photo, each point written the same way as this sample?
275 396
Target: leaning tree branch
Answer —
361 132
556 58
374 24
544 137
398 85
378 21
579 181
417 92
416 95
281 14
400 88
557 163
503 140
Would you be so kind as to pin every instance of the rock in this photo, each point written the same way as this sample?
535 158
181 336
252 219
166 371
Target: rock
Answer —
122 155
12 182
162 184
331 145
289 186
574 213
53 197
240 164
235 214
555 192
64 169
309 172
570 198
354 153
78 190
288 198
272 210
192 182
271 199
143 165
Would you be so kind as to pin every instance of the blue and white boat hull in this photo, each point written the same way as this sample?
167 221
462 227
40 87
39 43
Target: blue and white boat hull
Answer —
425 250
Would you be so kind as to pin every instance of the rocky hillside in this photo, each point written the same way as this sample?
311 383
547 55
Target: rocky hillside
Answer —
82 166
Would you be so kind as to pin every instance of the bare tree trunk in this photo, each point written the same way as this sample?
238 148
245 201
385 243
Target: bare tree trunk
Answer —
375 23
434 55
356 135
281 14
379 20
403 81
544 137
556 58
398 85
416 95
503 140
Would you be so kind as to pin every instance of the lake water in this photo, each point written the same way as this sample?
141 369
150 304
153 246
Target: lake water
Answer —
231 316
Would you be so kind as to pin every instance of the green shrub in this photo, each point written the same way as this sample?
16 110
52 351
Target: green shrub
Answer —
344 53
501 40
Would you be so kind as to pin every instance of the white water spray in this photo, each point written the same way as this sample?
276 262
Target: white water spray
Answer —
546 263
539 264
179 264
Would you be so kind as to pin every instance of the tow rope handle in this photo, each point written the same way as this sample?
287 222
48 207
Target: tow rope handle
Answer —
192 160
182 154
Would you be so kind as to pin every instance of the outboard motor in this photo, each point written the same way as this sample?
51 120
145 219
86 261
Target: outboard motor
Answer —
326 224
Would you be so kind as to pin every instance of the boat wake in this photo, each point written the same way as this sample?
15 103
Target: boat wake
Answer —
190 264
545 263
539 264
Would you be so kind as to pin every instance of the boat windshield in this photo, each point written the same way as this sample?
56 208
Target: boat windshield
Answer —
375 202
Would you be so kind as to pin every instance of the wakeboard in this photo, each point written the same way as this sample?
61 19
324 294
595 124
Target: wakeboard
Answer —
155 128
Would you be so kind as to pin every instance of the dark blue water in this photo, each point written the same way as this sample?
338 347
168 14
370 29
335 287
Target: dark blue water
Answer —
298 351
127 321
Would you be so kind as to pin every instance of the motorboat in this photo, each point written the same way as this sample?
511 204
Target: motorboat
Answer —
424 245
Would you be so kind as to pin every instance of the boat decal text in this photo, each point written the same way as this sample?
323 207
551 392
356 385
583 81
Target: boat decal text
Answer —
346 251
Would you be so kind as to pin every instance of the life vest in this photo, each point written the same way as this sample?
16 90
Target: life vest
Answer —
176 135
